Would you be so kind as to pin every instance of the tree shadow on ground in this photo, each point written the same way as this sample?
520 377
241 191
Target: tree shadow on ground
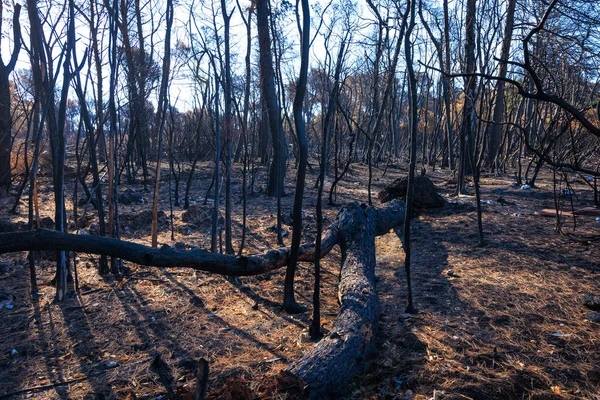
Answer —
85 347
242 334
449 343
60 334
153 323
482 322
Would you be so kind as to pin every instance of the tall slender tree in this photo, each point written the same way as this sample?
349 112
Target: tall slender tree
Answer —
468 111
227 123
55 120
161 116
270 101
495 129
289 303
5 112
413 129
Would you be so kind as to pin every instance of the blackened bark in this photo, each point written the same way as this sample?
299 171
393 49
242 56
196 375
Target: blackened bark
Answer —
289 303
334 360
413 127
269 95
227 127
495 130
202 260
448 95
161 116
468 112
5 129
85 116
55 122
5 115
338 357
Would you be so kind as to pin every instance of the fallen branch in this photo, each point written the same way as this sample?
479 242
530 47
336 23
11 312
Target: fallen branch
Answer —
48 386
586 211
40 388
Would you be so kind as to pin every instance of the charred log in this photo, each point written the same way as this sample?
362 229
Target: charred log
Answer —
339 356
164 257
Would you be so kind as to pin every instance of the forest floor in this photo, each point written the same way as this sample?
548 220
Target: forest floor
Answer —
504 321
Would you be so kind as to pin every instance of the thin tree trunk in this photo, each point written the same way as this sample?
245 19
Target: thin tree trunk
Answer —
36 126
161 116
495 130
216 226
269 95
92 147
289 303
413 127
227 128
112 144
466 134
447 92
5 114
247 23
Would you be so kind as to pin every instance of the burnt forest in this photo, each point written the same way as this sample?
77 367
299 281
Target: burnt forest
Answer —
319 199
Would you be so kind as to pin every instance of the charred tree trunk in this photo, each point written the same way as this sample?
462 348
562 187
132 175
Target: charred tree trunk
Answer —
289 303
448 98
85 117
413 127
468 112
227 127
188 185
161 116
338 357
5 116
495 130
244 120
55 122
270 101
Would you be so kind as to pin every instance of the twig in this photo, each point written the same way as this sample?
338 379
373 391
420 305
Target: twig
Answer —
92 291
48 386
56 384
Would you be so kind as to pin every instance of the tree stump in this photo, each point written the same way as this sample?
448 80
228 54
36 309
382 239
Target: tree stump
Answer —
426 194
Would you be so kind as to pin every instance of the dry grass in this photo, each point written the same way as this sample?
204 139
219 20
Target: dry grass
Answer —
498 322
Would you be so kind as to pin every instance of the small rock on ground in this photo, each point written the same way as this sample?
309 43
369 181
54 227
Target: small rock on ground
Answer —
593 316
591 301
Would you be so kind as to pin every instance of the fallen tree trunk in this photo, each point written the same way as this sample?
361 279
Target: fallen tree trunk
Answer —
339 356
165 257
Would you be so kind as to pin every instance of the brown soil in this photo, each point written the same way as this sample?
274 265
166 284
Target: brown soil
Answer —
502 321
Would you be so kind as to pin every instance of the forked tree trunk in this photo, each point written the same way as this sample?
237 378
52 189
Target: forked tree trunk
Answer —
338 357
